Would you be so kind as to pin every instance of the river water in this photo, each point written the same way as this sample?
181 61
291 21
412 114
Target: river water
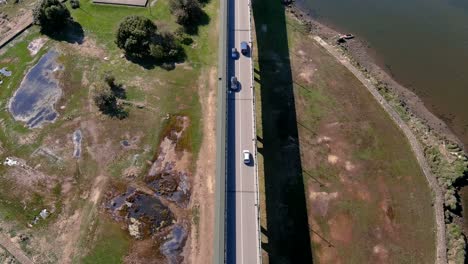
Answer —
422 43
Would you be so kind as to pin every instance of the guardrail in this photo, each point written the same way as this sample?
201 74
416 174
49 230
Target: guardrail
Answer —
254 107
219 254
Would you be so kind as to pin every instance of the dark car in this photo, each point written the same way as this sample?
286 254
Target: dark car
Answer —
234 83
234 53
245 49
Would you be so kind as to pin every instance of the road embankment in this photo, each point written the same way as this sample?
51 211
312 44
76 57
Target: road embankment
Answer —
441 247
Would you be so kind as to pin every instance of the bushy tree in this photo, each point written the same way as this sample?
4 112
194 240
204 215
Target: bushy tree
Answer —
139 38
166 48
51 15
187 12
135 34
106 100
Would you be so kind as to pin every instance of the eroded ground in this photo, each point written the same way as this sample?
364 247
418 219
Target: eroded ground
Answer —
84 187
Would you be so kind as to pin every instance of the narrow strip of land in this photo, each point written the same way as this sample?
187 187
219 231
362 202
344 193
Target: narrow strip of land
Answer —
14 250
441 246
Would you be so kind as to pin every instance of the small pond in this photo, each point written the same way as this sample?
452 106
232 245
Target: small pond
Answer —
33 102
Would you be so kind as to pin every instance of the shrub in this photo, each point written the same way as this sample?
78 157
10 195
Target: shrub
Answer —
187 12
75 4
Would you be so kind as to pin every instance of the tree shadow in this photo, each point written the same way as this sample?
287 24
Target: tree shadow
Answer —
286 209
119 91
114 110
202 21
150 63
71 33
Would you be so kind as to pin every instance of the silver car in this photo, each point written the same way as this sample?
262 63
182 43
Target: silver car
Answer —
234 83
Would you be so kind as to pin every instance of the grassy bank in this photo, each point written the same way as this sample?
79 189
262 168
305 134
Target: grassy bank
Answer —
362 184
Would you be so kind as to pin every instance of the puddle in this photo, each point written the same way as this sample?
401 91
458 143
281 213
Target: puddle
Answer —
5 72
172 248
145 214
125 143
33 102
77 136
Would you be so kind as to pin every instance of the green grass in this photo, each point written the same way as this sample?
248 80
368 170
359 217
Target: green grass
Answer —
112 244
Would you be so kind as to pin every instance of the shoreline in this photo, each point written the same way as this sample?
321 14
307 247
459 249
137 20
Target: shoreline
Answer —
369 60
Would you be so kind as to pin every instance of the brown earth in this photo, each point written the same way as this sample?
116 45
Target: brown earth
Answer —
199 247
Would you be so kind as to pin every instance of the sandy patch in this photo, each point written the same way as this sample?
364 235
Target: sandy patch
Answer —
307 75
319 201
36 45
332 159
349 166
323 139
380 252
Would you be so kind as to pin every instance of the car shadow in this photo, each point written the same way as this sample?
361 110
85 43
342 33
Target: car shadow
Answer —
287 227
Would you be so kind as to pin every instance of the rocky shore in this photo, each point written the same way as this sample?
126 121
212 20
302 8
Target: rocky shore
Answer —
443 152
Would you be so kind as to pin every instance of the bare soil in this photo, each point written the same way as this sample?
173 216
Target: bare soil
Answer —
199 247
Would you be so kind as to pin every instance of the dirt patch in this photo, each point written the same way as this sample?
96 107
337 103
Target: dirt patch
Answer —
90 48
199 249
333 159
320 201
341 228
36 45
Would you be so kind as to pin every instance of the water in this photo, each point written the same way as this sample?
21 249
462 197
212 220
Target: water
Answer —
34 100
77 137
423 43
174 245
5 72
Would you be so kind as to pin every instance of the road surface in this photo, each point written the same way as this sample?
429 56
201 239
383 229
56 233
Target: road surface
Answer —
242 245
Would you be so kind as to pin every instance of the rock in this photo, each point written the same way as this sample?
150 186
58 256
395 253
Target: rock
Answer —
134 228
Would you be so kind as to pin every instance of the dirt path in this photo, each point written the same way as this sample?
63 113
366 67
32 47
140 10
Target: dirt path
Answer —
14 250
441 246
199 249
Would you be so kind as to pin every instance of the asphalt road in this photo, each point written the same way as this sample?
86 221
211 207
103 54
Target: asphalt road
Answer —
242 245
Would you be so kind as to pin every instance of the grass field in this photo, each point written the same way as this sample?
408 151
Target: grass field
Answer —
74 189
361 183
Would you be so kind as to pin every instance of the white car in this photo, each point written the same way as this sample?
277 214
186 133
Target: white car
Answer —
246 155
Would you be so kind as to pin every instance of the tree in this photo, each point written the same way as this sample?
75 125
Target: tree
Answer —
135 34
106 100
187 12
51 15
139 37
